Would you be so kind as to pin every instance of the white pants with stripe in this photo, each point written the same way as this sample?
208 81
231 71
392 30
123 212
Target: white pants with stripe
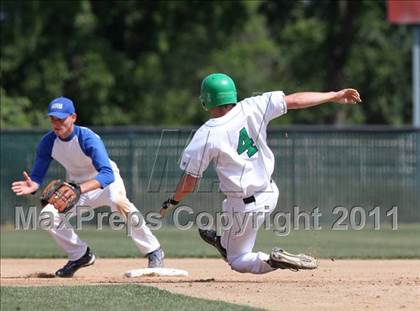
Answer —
113 196
239 240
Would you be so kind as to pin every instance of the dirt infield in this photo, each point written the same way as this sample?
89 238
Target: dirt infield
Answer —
339 284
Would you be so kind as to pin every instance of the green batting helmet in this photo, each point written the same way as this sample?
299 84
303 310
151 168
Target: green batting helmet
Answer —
217 89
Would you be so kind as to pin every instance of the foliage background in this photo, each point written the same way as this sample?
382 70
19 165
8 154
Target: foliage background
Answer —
141 62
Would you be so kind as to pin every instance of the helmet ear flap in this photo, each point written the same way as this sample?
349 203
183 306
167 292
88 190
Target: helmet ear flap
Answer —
203 102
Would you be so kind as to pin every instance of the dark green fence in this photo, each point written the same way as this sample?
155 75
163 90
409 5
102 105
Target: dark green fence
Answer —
315 167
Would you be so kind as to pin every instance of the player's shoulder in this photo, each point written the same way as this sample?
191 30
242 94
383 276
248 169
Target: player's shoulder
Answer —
85 133
202 131
48 137
47 141
201 136
262 97
261 104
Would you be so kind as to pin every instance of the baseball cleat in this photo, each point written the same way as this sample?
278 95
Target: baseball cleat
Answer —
213 239
280 259
156 258
72 266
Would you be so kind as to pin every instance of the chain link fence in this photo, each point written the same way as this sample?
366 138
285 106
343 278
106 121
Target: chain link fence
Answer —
316 167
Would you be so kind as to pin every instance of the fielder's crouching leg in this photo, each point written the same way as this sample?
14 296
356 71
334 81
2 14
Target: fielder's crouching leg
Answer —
140 233
62 232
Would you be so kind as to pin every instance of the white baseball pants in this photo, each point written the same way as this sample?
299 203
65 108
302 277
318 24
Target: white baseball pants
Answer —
113 196
239 240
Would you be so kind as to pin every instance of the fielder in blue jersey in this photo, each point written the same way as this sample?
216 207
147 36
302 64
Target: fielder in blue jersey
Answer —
83 155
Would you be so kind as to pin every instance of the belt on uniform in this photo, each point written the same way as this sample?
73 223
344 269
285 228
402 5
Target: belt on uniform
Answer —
251 199
248 200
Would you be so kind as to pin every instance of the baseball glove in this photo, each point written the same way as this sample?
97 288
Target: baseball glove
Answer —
63 195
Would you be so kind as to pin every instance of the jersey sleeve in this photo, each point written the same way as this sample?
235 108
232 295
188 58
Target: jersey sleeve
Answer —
94 148
197 156
270 105
43 158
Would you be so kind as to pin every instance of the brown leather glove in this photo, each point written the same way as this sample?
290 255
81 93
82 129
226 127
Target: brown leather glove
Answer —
63 195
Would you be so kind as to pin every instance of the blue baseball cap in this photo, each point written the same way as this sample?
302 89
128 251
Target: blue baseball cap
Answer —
61 108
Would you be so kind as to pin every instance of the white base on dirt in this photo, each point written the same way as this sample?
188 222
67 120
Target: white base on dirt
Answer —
156 272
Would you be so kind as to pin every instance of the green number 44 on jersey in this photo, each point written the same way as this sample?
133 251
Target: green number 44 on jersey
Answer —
246 144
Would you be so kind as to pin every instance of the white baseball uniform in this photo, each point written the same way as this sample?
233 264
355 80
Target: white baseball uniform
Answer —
236 144
84 157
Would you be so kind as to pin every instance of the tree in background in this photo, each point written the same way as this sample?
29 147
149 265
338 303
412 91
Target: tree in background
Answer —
334 44
141 63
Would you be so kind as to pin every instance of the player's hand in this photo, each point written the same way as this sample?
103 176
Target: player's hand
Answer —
347 96
26 186
169 203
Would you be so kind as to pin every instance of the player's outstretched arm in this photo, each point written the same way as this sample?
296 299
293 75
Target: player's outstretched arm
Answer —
309 99
27 186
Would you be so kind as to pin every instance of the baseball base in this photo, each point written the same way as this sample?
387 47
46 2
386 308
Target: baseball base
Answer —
156 272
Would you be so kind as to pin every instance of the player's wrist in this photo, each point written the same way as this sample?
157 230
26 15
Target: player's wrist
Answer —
334 96
173 201
33 189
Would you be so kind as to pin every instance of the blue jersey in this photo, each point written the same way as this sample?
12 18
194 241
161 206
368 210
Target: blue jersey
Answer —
82 154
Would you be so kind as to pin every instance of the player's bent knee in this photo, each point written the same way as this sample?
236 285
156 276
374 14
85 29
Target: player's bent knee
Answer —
238 268
135 219
49 217
237 264
122 204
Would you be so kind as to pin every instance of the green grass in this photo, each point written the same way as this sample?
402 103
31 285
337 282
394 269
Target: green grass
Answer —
117 297
368 243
